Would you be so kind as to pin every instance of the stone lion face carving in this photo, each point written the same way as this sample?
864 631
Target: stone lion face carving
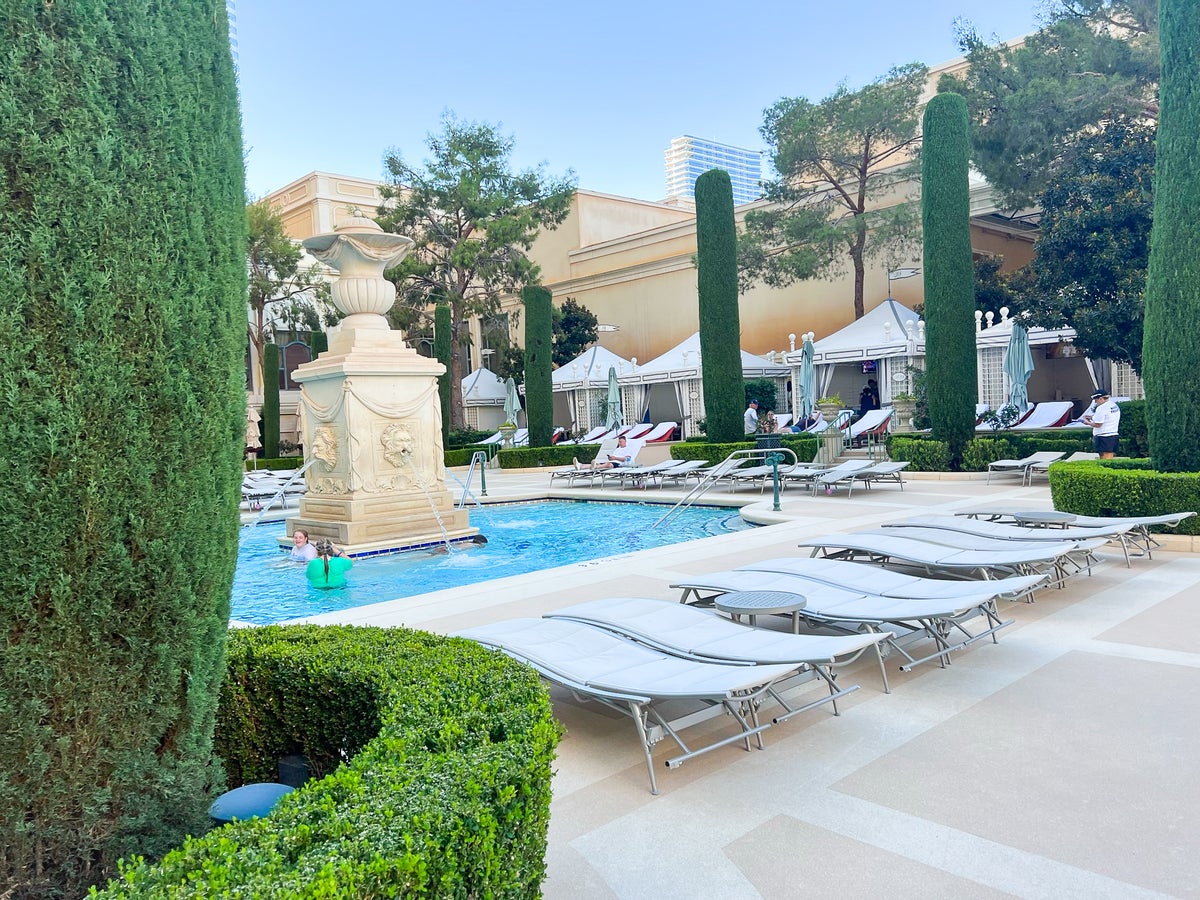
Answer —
397 443
325 445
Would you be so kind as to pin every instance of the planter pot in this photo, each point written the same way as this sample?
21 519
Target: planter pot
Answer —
902 412
829 411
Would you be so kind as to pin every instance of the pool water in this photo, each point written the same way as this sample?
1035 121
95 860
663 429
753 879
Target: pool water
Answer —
522 537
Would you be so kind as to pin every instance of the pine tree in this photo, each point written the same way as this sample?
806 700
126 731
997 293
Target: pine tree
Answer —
122 359
443 349
951 382
1171 344
720 328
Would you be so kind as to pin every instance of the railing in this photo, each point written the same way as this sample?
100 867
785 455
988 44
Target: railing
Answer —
719 471
299 473
479 460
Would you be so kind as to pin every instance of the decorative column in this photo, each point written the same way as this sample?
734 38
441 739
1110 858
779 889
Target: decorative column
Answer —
370 417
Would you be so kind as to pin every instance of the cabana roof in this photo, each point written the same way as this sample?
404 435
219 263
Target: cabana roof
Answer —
881 333
591 368
483 388
682 362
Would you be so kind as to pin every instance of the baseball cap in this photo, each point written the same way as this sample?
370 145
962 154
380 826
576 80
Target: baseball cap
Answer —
1096 395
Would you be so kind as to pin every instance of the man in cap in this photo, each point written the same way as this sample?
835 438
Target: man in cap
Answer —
1105 418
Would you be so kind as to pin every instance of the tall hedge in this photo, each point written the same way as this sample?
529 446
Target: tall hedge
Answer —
443 347
539 363
1171 339
270 420
122 358
951 384
720 328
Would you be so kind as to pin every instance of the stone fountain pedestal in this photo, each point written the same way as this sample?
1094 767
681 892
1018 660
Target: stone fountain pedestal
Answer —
370 415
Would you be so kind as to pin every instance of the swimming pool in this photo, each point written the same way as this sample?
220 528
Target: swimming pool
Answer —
522 537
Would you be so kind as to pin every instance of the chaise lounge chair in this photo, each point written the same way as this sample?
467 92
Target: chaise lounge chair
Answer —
1114 532
884 471
633 679
872 425
939 619
1050 414
663 431
1021 466
1043 468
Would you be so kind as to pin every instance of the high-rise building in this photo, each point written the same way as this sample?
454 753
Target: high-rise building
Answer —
688 157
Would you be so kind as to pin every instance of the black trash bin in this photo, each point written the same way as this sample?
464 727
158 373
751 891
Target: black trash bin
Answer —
768 441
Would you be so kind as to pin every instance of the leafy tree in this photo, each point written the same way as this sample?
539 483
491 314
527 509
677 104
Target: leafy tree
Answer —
1094 63
270 419
717 289
839 162
122 346
1089 271
574 330
949 273
539 385
472 218
278 282
1172 328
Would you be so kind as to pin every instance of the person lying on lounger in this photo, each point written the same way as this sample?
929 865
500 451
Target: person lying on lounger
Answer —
620 455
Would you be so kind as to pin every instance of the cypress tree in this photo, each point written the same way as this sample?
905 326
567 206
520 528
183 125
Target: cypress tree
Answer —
1171 338
539 364
443 346
270 419
319 343
122 348
720 329
951 383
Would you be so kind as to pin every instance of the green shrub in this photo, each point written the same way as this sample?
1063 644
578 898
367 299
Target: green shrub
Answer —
717 292
981 452
1134 441
539 364
433 757
949 272
122 355
923 455
270 413
1125 487
533 457
804 447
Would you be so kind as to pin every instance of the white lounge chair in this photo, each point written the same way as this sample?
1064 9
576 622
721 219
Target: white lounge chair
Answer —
872 425
1021 466
692 633
1139 527
688 469
638 475
842 473
884 471
592 437
570 474
632 678
1116 532
933 558
663 431
1043 468
890 583
783 421
941 619
1050 414
639 431
987 426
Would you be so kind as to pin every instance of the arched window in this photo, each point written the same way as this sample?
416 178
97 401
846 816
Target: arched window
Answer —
290 356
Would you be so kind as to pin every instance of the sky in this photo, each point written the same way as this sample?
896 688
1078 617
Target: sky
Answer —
599 89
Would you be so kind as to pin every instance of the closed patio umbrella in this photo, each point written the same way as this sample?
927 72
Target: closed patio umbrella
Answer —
512 401
616 417
808 381
1018 366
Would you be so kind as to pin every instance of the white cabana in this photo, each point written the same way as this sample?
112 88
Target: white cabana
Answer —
669 387
581 384
880 345
483 400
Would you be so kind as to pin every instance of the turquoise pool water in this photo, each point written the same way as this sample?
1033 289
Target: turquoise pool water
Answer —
522 537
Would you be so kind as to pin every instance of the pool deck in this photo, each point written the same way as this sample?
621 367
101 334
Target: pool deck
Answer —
1060 762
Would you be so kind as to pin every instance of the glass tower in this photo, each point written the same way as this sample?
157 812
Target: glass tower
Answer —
688 157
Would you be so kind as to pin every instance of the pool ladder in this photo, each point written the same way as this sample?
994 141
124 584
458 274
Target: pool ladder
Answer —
479 460
716 473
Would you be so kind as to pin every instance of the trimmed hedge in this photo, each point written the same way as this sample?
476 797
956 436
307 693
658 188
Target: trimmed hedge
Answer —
539 364
271 465
445 788
532 457
805 449
1125 487
979 451
922 454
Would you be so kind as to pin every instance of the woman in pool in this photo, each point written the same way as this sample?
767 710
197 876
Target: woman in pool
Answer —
302 548
329 569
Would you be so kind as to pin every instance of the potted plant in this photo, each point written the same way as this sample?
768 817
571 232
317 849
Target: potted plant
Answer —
830 406
904 406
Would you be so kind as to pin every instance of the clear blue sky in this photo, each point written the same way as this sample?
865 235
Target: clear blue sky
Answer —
597 88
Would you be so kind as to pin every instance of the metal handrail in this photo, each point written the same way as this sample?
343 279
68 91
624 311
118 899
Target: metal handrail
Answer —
717 472
478 459
282 490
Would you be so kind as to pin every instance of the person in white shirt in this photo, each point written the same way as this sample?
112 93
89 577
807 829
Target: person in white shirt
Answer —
1105 419
751 417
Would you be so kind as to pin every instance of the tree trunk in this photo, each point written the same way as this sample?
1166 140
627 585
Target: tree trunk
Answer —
457 420
860 270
